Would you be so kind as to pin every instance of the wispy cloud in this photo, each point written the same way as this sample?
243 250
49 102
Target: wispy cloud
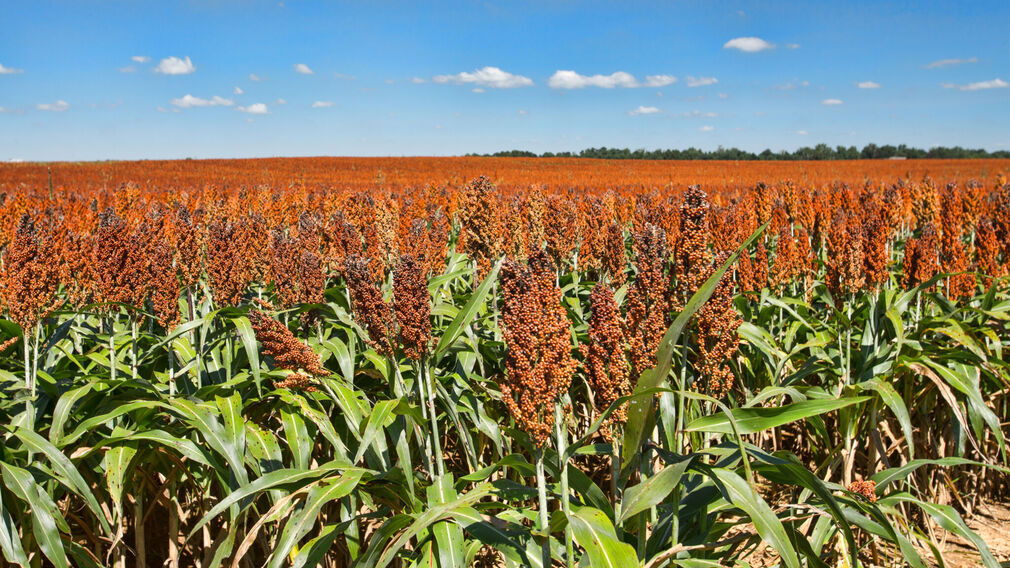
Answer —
58 106
792 85
832 102
255 108
322 104
979 86
189 101
949 62
492 77
417 80
568 79
280 102
701 81
802 132
238 91
748 44
128 69
9 70
868 85
699 114
255 77
659 80
522 112
140 59
303 69
643 110
706 128
175 66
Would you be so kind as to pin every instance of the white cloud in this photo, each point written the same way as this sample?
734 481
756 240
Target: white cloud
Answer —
9 70
868 85
831 102
343 76
701 81
477 90
566 79
748 44
322 104
723 96
706 128
979 86
238 91
303 69
128 69
699 114
802 132
643 110
189 101
58 106
255 108
175 66
280 102
948 62
255 77
792 46
417 80
659 80
486 77
140 58
792 85
522 112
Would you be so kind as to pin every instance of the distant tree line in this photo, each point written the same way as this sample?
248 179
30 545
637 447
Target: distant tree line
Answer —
818 152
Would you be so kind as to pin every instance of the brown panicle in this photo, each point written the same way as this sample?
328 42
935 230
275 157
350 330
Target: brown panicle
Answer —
718 322
30 278
287 351
648 298
412 305
606 358
538 361
374 313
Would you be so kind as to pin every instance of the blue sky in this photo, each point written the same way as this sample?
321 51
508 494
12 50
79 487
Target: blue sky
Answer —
88 80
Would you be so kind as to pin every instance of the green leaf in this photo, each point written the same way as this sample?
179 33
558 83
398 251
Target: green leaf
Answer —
769 527
466 314
594 532
653 490
751 420
45 516
248 337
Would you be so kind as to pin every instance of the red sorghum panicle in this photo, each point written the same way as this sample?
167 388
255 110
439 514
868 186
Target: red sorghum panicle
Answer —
718 322
538 361
605 355
29 276
481 224
987 250
875 254
845 257
921 257
648 298
615 256
297 382
287 351
412 305
692 255
370 309
114 260
227 266
866 489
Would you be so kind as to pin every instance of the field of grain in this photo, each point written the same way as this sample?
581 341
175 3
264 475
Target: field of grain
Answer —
502 362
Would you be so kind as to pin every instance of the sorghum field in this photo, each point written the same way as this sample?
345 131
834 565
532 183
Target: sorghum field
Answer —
502 362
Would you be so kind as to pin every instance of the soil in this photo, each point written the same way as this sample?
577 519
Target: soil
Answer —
992 523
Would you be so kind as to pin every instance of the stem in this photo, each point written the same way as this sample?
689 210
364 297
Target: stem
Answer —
112 348
545 549
133 346
139 538
436 438
562 432
173 525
